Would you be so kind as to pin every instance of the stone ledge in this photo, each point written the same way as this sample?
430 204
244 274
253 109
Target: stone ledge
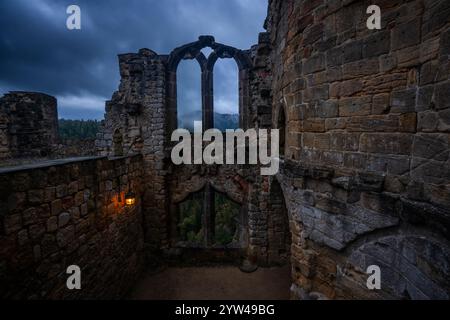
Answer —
58 162
362 181
28 93
293 169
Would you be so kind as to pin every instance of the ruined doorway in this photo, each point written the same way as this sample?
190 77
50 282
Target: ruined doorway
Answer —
279 235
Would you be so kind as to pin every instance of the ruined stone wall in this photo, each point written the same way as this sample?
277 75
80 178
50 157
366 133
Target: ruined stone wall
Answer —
260 112
135 122
71 148
62 213
28 125
140 119
267 215
366 175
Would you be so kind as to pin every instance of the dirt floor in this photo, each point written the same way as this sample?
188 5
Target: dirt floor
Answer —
214 283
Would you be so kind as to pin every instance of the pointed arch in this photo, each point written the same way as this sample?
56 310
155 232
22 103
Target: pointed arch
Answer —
193 51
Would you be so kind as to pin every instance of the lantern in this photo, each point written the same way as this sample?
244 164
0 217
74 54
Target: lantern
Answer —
130 199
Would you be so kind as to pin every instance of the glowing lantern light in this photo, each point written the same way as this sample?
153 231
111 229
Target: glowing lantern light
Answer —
130 199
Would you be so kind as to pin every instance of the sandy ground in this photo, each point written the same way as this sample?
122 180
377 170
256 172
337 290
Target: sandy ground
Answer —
214 283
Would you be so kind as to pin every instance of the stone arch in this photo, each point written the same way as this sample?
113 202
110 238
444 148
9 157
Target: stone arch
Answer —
193 51
232 189
413 265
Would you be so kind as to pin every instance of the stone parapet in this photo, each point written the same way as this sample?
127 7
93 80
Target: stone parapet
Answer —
70 212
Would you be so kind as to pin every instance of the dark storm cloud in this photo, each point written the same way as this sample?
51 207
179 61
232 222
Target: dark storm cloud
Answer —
38 53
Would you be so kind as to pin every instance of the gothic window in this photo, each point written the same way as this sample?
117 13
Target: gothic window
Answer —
189 104
226 220
226 95
209 219
217 111
190 229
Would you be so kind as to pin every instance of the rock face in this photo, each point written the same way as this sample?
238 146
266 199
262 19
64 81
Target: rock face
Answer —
28 125
367 171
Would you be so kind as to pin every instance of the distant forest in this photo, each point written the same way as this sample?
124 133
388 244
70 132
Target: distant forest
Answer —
222 121
88 129
78 129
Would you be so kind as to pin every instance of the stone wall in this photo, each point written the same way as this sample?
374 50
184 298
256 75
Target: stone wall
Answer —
260 113
135 122
28 125
70 148
142 115
366 175
62 213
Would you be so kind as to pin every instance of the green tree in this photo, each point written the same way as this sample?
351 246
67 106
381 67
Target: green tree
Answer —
78 129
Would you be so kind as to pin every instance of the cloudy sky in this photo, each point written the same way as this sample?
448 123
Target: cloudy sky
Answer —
38 53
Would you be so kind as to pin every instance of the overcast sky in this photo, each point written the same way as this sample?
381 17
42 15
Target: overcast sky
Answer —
80 68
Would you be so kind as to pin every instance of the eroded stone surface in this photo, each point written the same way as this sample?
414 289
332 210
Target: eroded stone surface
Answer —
389 94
